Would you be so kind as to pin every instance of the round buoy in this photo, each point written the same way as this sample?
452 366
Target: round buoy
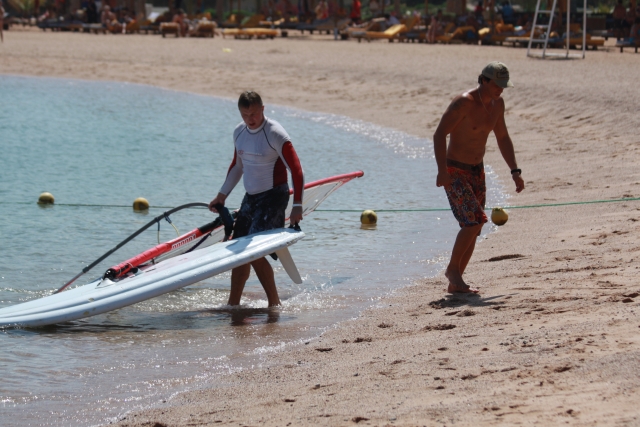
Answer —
140 204
499 216
46 199
368 217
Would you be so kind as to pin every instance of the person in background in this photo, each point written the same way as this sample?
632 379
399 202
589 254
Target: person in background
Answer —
392 19
478 9
355 12
92 12
106 16
180 18
634 32
290 10
630 18
434 27
374 8
322 10
471 21
619 14
507 13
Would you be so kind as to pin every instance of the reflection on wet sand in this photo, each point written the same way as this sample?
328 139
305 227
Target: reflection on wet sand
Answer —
242 316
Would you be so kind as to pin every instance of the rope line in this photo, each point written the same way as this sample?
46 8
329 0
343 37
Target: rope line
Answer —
542 205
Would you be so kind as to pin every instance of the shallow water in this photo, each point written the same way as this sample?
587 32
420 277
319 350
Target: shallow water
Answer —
104 144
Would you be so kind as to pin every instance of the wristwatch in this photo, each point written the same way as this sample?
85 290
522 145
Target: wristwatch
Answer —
516 171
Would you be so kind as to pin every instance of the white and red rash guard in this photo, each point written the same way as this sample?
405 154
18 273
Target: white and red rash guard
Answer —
263 156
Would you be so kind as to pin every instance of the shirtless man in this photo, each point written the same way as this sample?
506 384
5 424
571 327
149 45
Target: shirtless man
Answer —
469 120
108 19
262 154
179 18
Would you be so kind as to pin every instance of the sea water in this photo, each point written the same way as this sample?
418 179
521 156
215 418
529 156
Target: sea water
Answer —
96 147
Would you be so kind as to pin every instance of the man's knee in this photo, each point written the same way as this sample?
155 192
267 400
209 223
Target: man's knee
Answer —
241 272
475 229
260 263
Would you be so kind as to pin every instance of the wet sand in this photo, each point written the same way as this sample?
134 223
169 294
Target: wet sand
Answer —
553 337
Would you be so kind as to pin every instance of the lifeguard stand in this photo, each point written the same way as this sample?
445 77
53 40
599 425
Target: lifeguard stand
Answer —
540 34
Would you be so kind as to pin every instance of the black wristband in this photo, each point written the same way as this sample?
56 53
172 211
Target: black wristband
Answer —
516 171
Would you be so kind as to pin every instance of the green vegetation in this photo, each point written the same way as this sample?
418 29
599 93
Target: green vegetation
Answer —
23 7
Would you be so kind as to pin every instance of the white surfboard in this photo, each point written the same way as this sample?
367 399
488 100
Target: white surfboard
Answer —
103 295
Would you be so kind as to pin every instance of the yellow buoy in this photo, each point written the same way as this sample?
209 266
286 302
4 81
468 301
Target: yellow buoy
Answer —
140 204
46 199
499 216
368 217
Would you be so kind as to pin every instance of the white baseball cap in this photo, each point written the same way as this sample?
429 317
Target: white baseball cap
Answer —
499 73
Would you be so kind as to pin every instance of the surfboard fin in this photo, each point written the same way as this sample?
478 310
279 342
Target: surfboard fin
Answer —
288 264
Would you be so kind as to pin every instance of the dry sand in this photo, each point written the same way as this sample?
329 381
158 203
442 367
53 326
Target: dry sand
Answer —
553 338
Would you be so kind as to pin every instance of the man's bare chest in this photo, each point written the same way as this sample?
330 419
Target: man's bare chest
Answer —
479 124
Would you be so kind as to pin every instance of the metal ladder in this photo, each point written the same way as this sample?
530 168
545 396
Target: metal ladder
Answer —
546 28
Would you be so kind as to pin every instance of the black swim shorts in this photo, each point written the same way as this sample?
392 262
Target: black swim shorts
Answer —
263 211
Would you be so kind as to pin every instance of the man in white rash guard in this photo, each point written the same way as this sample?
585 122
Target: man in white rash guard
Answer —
263 153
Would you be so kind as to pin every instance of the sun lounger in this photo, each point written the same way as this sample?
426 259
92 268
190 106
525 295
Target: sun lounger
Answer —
451 34
132 27
203 29
56 25
576 40
329 25
271 24
73 26
591 42
148 26
415 35
203 16
628 43
231 22
169 28
413 32
499 34
390 33
249 33
458 35
250 28
94 28
313 26
252 22
523 40
376 24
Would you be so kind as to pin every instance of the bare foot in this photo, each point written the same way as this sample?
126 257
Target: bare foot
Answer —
457 284
452 289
